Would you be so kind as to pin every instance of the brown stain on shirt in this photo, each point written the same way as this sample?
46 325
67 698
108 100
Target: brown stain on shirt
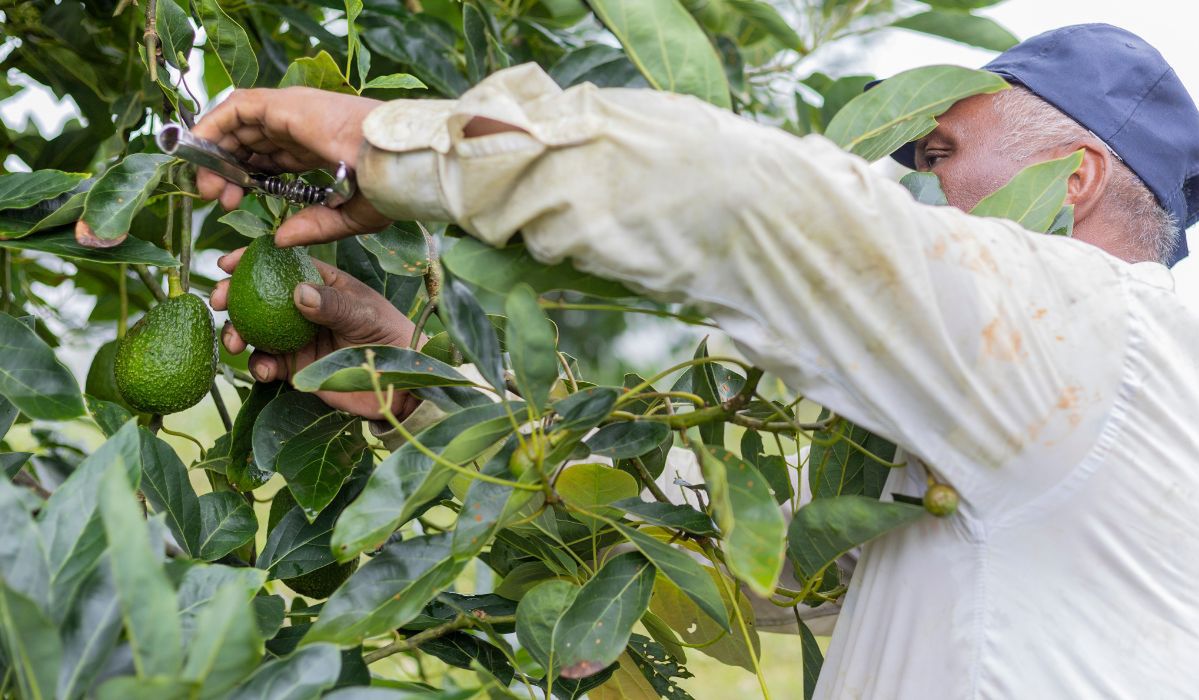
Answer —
1002 341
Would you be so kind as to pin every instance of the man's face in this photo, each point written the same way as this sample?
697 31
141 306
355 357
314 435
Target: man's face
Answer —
963 151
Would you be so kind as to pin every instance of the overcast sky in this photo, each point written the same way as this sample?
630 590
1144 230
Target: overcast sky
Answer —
1168 25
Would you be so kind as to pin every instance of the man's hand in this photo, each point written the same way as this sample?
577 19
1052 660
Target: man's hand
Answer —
349 313
292 130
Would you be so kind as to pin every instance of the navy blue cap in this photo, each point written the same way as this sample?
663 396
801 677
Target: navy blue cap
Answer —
1115 84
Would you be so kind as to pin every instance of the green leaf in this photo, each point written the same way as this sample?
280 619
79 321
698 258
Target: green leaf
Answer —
401 249
1034 196
227 522
683 571
201 583
395 81
961 4
532 346
676 517
320 72
174 31
840 468
667 45
471 331
230 43
754 529
318 460
487 506
120 193
269 613
147 599
70 526
1063 223
387 592
693 627
903 108
32 378
963 27
424 44
109 417
295 546
499 269
589 485
23 556
826 528
134 688
659 667
594 630
62 243
408 479
283 418
812 658
30 643
763 16
225 645
89 633
345 370
242 471
583 410
925 188
302 675
468 651
841 92
167 487
627 440
12 462
474 32
21 190
600 64
246 223
537 616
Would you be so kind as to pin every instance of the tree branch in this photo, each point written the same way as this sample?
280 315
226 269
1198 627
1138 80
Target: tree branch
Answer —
458 623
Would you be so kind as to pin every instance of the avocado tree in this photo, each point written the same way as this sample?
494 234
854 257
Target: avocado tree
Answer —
126 572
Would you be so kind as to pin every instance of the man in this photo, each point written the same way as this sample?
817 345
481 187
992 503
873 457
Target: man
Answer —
1050 380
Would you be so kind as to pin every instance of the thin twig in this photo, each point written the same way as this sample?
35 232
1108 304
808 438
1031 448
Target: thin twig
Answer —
147 279
23 479
151 38
220 407
458 623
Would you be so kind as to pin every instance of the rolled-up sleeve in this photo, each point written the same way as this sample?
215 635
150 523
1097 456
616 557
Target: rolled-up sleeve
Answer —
990 352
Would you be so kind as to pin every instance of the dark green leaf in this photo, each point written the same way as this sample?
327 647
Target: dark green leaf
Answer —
201 583
230 43
401 249
424 44
537 617
303 675
474 32
499 269
109 416
174 31
594 630
625 440
826 528
667 45
21 190
11 463
318 460
677 517
487 507
1034 196
269 612
753 527
400 291
227 522
471 330
22 549
31 644
583 410
600 64
120 193
283 418
388 591
147 599
812 660
62 243
89 632
345 370
408 478
32 378
246 223
320 72
973 30
242 471
225 644
925 188
841 92
464 650
8 415
840 468
295 546
683 571
763 16
904 108
659 667
1063 223
532 346
167 487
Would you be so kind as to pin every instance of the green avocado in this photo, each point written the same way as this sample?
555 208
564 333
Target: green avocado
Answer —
167 360
318 584
260 296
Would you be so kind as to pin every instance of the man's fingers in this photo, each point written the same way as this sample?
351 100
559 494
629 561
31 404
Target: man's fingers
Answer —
231 196
228 262
268 368
345 314
322 224
209 184
232 340
219 299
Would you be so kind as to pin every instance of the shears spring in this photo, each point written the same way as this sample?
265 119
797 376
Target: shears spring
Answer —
175 140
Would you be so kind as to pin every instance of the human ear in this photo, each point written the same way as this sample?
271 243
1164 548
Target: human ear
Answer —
1086 186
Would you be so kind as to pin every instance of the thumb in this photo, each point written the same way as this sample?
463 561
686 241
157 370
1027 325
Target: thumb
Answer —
336 310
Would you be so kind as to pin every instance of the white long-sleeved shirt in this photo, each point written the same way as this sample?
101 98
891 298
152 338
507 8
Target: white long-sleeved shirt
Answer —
1052 385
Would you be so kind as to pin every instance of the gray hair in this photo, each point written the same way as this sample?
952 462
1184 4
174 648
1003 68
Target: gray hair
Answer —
1033 126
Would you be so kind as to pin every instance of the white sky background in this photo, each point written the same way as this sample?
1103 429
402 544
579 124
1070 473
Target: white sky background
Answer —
1168 25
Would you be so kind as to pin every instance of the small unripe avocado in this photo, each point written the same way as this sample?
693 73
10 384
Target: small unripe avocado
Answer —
941 500
317 584
167 360
260 296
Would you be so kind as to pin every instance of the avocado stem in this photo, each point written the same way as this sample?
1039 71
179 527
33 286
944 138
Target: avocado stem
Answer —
174 285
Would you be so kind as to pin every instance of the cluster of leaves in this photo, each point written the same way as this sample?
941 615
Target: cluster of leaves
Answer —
119 578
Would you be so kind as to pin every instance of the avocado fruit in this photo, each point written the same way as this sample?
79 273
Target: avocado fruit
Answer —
167 360
260 296
318 584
